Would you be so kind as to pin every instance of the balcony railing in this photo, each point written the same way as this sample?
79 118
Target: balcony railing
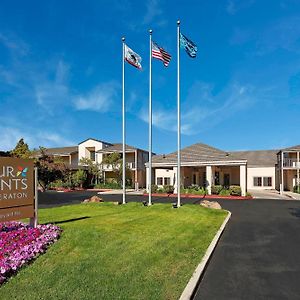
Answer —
291 163
129 165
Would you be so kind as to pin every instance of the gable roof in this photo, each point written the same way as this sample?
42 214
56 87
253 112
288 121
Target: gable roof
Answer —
257 158
195 153
118 147
100 141
58 151
293 148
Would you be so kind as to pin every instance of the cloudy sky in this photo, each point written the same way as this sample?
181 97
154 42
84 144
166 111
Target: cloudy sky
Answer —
60 72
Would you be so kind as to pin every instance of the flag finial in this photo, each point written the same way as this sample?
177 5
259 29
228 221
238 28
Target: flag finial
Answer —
178 22
150 31
123 39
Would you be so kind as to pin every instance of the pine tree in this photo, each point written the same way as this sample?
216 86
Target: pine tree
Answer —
21 150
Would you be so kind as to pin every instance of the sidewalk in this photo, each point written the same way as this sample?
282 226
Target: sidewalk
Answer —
292 195
120 191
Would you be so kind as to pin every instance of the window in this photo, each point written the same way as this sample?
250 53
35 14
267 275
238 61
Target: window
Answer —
257 181
167 181
217 178
93 155
194 179
267 181
159 181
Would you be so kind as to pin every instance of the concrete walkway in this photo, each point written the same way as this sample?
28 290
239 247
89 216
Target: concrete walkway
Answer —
268 194
258 256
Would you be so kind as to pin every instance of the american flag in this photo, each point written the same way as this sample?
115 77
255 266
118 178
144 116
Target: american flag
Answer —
160 53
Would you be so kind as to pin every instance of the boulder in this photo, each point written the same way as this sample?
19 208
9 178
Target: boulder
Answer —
210 204
96 199
93 199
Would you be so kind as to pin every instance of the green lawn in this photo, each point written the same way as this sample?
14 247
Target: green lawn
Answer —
118 252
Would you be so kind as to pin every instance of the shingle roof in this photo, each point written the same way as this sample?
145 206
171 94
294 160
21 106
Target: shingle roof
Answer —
59 151
195 153
118 147
257 158
293 148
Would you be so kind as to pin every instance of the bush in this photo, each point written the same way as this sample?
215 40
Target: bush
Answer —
169 189
108 185
235 190
160 190
56 184
216 189
194 190
224 193
78 178
154 188
248 194
296 189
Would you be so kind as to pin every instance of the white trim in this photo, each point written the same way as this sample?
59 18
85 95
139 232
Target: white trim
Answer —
193 164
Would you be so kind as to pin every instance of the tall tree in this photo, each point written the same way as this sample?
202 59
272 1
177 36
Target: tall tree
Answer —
21 150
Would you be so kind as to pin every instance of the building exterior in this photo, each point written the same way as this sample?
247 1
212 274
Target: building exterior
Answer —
288 168
201 164
96 150
206 166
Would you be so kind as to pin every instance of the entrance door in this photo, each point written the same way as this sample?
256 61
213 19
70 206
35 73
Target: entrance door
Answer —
226 180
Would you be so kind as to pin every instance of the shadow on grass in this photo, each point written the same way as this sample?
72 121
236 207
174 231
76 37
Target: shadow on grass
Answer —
68 221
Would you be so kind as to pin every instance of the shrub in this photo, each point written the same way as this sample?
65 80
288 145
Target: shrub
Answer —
169 189
235 190
160 190
79 177
108 185
224 193
56 184
296 189
216 189
154 188
248 194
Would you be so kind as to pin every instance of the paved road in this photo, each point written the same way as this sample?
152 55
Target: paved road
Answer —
52 198
258 256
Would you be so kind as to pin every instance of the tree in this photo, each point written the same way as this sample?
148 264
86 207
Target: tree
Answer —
116 162
94 169
79 177
21 150
50 169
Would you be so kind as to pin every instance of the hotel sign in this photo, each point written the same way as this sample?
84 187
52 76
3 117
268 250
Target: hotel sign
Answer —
17 186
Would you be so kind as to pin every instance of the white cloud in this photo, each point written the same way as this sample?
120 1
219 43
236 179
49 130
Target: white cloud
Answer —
100 99
202 110
14 44
153 10
35 138
230 7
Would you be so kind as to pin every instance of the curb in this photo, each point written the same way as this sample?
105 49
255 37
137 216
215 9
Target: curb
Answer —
190 288
202 196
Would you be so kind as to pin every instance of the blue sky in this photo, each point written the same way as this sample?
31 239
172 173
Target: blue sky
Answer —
60 73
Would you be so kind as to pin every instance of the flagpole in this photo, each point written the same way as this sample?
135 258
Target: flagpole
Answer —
123 124
178 115
150 120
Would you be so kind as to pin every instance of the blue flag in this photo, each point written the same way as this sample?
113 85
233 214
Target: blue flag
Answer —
189 46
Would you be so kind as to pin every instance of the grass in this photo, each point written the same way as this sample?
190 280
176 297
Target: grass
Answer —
118 252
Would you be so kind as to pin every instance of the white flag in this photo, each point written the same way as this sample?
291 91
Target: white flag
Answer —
132 57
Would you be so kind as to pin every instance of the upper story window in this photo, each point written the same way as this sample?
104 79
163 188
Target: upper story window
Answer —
93 155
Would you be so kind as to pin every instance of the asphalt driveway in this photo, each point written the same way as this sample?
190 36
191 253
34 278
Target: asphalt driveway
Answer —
258 255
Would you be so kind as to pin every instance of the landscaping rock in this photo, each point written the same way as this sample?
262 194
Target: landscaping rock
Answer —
93 199
210 204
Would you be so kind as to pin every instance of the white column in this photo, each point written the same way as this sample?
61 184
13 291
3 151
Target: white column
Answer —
298 172
208 179
281 173
243 179
175 181
147 179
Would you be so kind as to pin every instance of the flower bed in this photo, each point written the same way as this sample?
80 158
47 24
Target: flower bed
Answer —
20 244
